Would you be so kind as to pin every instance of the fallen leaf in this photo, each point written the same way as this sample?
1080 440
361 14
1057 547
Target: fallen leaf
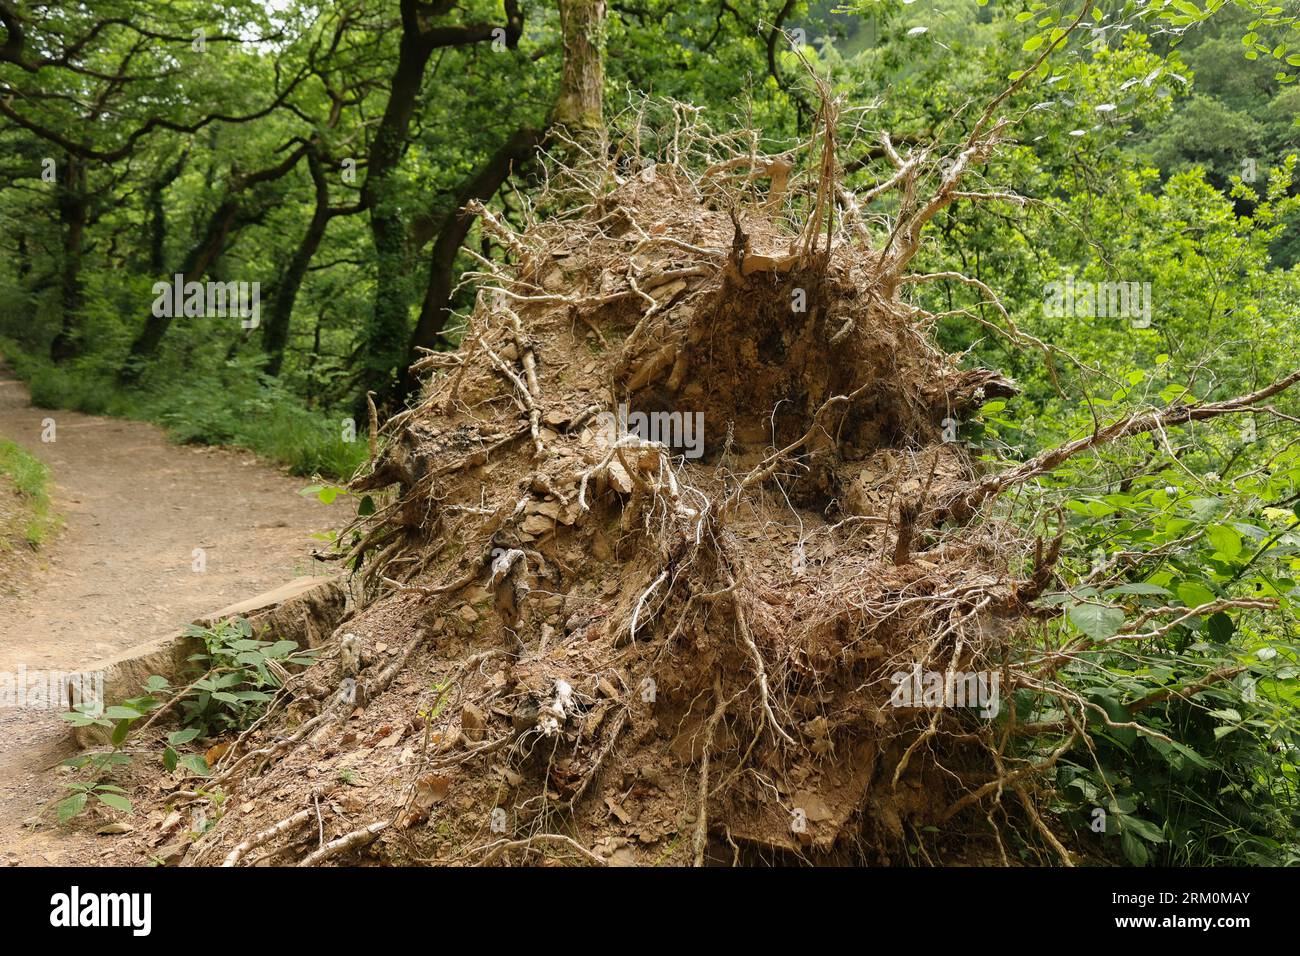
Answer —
622 815
216 753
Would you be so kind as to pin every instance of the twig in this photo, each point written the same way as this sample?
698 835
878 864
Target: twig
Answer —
349 841
266 836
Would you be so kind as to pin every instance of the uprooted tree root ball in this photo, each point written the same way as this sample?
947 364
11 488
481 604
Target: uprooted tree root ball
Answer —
655 548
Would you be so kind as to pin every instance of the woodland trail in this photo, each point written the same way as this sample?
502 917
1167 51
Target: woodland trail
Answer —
135 509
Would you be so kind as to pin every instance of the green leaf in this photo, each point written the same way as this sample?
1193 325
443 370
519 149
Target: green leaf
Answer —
1206 508
1143 828
1193 593
1134 850
122 713
69 808
1097 621
116 801
78 719
120 731
1140 588
1221 627
1117 713
195 764
1192 755
1224 539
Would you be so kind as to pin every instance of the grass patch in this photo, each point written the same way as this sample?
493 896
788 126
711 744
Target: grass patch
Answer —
29 479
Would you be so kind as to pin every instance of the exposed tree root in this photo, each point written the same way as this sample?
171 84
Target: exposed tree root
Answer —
657 643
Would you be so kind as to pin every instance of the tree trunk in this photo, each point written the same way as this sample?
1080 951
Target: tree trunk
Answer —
73 207
196 263
381 350
579 108
229 215
158 216
275 332
483 185
24 257
384 340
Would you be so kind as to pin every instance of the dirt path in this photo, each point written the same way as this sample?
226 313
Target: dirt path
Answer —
122 572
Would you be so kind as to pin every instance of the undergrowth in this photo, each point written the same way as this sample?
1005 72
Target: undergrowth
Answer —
239 675
232 405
